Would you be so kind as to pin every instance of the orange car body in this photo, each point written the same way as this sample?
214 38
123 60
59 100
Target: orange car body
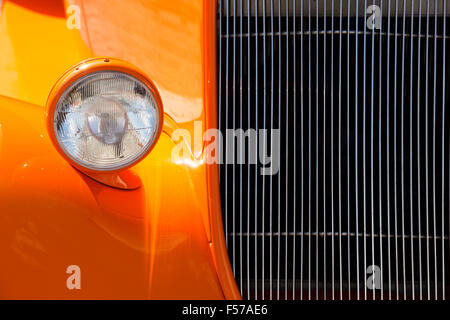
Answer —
163 240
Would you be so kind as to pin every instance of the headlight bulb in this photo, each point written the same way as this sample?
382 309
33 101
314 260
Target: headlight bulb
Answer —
107 119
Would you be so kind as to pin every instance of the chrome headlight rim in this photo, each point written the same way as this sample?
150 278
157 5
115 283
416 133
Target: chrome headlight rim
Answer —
76 74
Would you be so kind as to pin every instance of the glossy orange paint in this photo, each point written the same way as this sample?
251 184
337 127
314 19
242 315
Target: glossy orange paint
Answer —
218 246
36 48
163 240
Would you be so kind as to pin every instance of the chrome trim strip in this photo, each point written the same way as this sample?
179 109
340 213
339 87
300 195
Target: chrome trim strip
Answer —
443 155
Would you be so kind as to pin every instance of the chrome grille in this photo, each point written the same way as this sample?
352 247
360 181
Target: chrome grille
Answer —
363 116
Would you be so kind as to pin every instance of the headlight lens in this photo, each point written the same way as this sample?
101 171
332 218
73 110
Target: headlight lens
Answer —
106 120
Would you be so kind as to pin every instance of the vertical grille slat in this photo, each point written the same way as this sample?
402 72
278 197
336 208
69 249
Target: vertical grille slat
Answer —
403 148
234 126
395 156
340 148
418 157
372 205
343 105
279 143
309 160
226 115
443 156
287 157
286 199
248 167
317 148
241 125
411 153
349 270
271 117
264 145
325 284
256 151
426 155
380 176
434 150
358 294
220 71
388 177
295 207
332 152
364 168
301 154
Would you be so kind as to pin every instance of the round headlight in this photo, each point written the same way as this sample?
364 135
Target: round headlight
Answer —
106 120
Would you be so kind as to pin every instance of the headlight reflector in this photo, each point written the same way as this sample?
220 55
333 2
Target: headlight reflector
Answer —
106 120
